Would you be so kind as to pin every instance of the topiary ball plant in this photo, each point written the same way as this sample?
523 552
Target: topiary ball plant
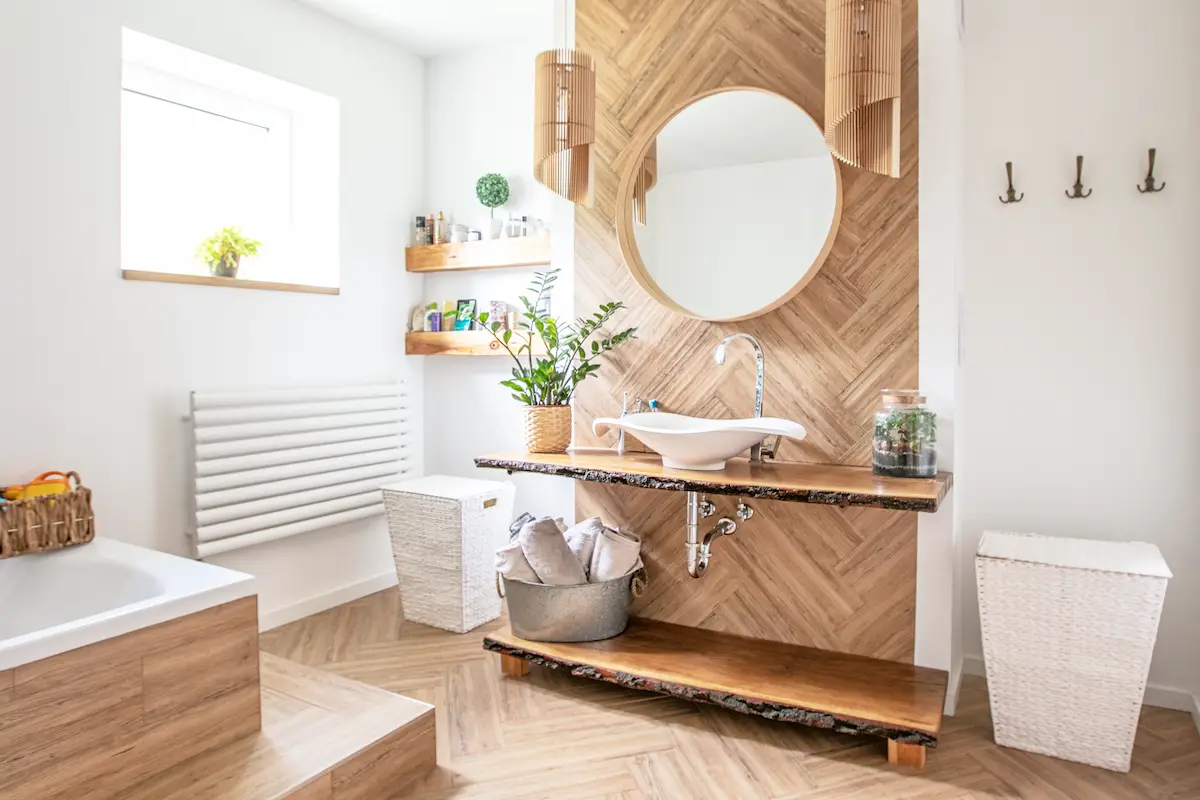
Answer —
492 191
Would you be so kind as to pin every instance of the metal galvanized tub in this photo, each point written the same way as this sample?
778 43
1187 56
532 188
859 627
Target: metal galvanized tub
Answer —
585 613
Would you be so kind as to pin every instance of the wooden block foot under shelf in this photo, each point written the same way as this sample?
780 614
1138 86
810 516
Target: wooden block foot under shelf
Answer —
513 666
784 682
324 737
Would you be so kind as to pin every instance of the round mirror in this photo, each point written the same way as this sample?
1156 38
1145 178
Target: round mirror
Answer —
731 207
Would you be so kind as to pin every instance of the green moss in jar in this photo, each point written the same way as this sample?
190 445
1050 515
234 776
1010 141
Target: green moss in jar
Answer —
905 442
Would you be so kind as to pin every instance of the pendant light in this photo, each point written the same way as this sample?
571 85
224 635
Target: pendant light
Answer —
564 123
862 83
647 177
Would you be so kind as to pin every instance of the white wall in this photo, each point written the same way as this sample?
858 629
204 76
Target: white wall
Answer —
100 368
1080 327
941 233
480 119
695 219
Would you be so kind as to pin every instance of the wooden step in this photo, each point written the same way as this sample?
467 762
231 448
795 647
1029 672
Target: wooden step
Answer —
324 737
821 688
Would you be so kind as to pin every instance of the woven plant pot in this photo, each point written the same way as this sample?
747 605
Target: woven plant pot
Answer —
547 429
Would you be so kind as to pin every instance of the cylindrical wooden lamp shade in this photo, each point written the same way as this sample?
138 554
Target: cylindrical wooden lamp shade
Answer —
564 123
862 83
644 182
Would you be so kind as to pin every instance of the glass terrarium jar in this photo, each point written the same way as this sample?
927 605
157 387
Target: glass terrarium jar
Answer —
905 436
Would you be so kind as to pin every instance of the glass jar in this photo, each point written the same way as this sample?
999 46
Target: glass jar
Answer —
905 436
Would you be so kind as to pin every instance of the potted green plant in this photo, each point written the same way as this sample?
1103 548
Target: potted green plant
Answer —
223 251
546 384
492 191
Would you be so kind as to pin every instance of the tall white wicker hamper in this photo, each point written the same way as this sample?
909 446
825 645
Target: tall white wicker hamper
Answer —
444 533
1068 631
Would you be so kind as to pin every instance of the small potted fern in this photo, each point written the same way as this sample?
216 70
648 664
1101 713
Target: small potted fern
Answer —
492 191
224 250
546 384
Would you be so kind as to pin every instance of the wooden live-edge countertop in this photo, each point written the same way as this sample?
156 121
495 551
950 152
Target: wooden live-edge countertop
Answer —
827 484
790 683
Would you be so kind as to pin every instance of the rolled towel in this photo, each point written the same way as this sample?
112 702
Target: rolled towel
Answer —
547 552
616 555
512 564
520 521
581 538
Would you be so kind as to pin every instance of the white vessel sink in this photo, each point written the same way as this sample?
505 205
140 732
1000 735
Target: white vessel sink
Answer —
695 442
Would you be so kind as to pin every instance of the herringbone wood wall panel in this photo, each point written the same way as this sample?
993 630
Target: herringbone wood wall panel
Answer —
838 579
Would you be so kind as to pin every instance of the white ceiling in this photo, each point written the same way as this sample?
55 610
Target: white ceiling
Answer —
432 27
738 127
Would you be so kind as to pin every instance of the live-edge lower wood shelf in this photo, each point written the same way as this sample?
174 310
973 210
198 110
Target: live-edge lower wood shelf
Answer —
789 683
822 688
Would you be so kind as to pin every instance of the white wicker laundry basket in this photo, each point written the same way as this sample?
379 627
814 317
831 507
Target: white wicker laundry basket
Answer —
444 533
1068 630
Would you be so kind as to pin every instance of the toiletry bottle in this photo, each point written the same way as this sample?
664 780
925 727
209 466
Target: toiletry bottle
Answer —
435 321
430 310
429 231
525 231
419 233
440 228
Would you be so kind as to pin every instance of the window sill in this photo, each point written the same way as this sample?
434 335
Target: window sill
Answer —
231 283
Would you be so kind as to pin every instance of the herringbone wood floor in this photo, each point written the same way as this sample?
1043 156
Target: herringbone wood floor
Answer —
552 736
841 580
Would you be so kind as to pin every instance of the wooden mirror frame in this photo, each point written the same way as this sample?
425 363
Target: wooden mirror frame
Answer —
625 223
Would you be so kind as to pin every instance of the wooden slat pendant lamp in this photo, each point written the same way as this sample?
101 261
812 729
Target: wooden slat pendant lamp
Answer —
644 182
862 83
564 123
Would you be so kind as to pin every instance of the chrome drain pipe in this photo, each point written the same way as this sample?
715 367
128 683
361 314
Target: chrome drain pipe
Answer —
699 550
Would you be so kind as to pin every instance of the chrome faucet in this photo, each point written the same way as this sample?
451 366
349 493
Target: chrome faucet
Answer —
756 452
638 407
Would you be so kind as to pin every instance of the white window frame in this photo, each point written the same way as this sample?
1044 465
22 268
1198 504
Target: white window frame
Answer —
304 127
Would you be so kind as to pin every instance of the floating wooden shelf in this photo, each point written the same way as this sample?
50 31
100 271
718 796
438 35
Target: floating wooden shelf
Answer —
828 484
784 682
524 251
460 343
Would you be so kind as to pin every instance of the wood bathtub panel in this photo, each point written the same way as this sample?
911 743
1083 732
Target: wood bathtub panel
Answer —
204 625
199 671
826 577
42 737
102 717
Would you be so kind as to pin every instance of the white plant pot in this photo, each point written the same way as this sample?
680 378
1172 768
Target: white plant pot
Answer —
491 228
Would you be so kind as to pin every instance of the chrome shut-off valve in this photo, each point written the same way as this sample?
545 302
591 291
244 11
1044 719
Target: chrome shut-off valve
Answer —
744 510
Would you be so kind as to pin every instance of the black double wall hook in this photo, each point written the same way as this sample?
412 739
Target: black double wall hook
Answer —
1078 187
1011 193
1150 180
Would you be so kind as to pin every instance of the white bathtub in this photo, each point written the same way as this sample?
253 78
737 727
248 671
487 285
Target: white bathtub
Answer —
54 602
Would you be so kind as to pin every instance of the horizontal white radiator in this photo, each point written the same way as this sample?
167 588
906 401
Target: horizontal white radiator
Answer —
277 463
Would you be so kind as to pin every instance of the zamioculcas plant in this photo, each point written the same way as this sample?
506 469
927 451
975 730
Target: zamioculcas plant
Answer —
546 383
223 251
